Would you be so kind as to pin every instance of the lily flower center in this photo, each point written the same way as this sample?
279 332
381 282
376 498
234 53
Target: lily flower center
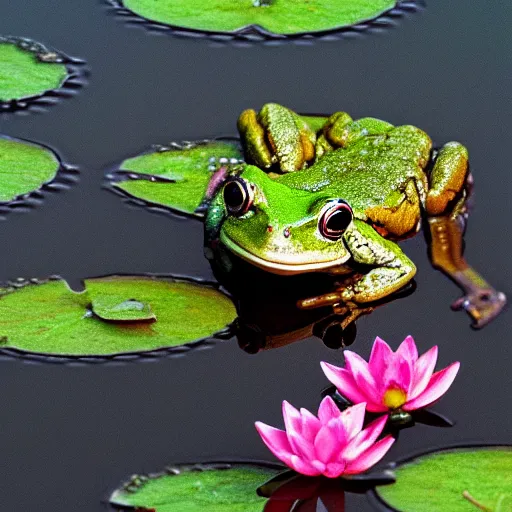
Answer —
394 398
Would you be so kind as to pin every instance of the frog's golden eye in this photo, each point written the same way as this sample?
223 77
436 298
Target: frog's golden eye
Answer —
334 219
238 196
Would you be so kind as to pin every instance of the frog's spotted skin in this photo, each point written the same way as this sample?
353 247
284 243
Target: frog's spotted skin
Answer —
387 177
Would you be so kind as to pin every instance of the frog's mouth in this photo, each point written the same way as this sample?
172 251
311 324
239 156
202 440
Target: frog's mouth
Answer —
280 268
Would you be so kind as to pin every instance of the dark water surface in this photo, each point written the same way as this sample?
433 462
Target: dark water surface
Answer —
68 435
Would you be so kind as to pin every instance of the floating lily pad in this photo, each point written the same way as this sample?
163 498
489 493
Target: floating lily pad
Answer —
438 481
267 18
24 168
216 488
113 315
31 71
174 177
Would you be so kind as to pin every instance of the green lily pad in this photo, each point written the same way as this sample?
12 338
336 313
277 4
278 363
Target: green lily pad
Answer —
24 167
277 17
438 481
113 315
174 177
216 488
30 71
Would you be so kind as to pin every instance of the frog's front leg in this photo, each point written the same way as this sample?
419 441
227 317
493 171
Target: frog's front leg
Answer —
276 136
392 270
447 186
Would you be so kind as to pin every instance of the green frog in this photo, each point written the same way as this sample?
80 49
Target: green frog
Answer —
335 195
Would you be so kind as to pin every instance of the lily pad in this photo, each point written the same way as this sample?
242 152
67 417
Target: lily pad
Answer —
24 167
113 315
268 18
174 177
440 481
216 488
31 71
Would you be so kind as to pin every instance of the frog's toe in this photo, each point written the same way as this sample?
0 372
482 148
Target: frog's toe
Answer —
482 306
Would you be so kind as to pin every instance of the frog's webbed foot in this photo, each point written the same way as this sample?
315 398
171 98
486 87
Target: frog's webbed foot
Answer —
482 305
389 271
276 137
450 184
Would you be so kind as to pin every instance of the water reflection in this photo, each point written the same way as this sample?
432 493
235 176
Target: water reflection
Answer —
269 316
289 491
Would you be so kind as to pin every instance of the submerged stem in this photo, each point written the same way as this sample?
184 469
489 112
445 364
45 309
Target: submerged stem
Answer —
473 501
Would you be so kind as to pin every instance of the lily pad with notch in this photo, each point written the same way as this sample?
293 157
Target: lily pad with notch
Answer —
112 316
220 487
261 19
26 169
35 74
454 479
174 177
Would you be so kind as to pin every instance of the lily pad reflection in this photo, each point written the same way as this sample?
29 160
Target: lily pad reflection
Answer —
112 316
214 487
444 480
175 176
264 18
31 71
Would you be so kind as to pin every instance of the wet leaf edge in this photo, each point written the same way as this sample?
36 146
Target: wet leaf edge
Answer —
256 33
179 468
65 177
75 79
224 334
375 498
117 174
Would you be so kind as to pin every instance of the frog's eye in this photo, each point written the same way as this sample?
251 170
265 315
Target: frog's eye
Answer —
334 219
238 196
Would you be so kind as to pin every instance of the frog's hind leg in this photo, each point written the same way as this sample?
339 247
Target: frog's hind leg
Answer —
340 130
450 184
276 138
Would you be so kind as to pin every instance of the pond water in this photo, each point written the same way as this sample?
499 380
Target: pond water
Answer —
70 433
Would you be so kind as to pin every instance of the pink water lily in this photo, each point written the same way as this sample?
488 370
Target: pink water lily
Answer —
332 444
392 381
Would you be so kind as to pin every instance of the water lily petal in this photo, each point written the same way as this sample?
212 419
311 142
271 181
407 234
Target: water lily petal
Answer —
399 375
408 349
344 382
339 430
326 445
310 425
301 446
359 369
303 467
370 457
318 464
364 440
292 419
423 370
380 356
334 469
276 441
353 419
328 410
438 385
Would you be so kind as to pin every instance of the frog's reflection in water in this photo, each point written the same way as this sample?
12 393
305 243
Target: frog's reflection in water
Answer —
269 316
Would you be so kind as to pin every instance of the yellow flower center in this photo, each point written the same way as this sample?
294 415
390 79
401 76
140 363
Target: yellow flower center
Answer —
394 398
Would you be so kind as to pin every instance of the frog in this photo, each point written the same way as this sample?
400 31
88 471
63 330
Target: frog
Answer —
337 195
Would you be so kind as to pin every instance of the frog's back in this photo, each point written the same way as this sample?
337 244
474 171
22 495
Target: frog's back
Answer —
369 170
